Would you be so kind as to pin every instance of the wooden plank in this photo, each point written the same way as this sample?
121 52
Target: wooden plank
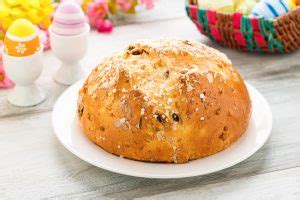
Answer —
278 185
35 165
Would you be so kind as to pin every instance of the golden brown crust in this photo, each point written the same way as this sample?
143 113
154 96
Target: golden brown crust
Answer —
164 100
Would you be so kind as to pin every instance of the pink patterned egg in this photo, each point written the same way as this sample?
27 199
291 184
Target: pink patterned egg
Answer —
69 19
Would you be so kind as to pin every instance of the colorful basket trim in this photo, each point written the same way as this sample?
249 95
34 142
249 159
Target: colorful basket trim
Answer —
238 36
202 18
212 20
241 32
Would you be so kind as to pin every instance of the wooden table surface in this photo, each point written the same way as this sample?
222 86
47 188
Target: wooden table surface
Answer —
34 165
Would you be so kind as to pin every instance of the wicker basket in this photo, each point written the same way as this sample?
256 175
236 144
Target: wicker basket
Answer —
237 31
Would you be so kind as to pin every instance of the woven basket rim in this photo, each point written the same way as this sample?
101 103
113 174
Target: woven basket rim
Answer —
245 16
242 32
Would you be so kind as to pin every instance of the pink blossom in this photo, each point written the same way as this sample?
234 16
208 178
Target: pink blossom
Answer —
104 26
97 10
148 3
97 13
4 80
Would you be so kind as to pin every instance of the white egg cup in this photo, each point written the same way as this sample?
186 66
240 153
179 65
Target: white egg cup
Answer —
69 50
24 71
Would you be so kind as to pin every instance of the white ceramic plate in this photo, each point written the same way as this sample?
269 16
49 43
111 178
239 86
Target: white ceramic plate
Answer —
68 132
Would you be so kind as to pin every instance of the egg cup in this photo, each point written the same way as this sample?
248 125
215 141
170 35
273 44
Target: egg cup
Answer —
24 71
69 49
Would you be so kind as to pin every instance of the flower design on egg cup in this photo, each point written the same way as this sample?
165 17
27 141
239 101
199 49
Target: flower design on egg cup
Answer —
21 48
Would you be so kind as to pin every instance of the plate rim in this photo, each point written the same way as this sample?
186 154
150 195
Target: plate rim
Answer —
167 176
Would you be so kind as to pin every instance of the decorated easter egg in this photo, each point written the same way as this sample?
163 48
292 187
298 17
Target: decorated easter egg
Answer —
69 19
272 8
21 39
245 6
225 6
